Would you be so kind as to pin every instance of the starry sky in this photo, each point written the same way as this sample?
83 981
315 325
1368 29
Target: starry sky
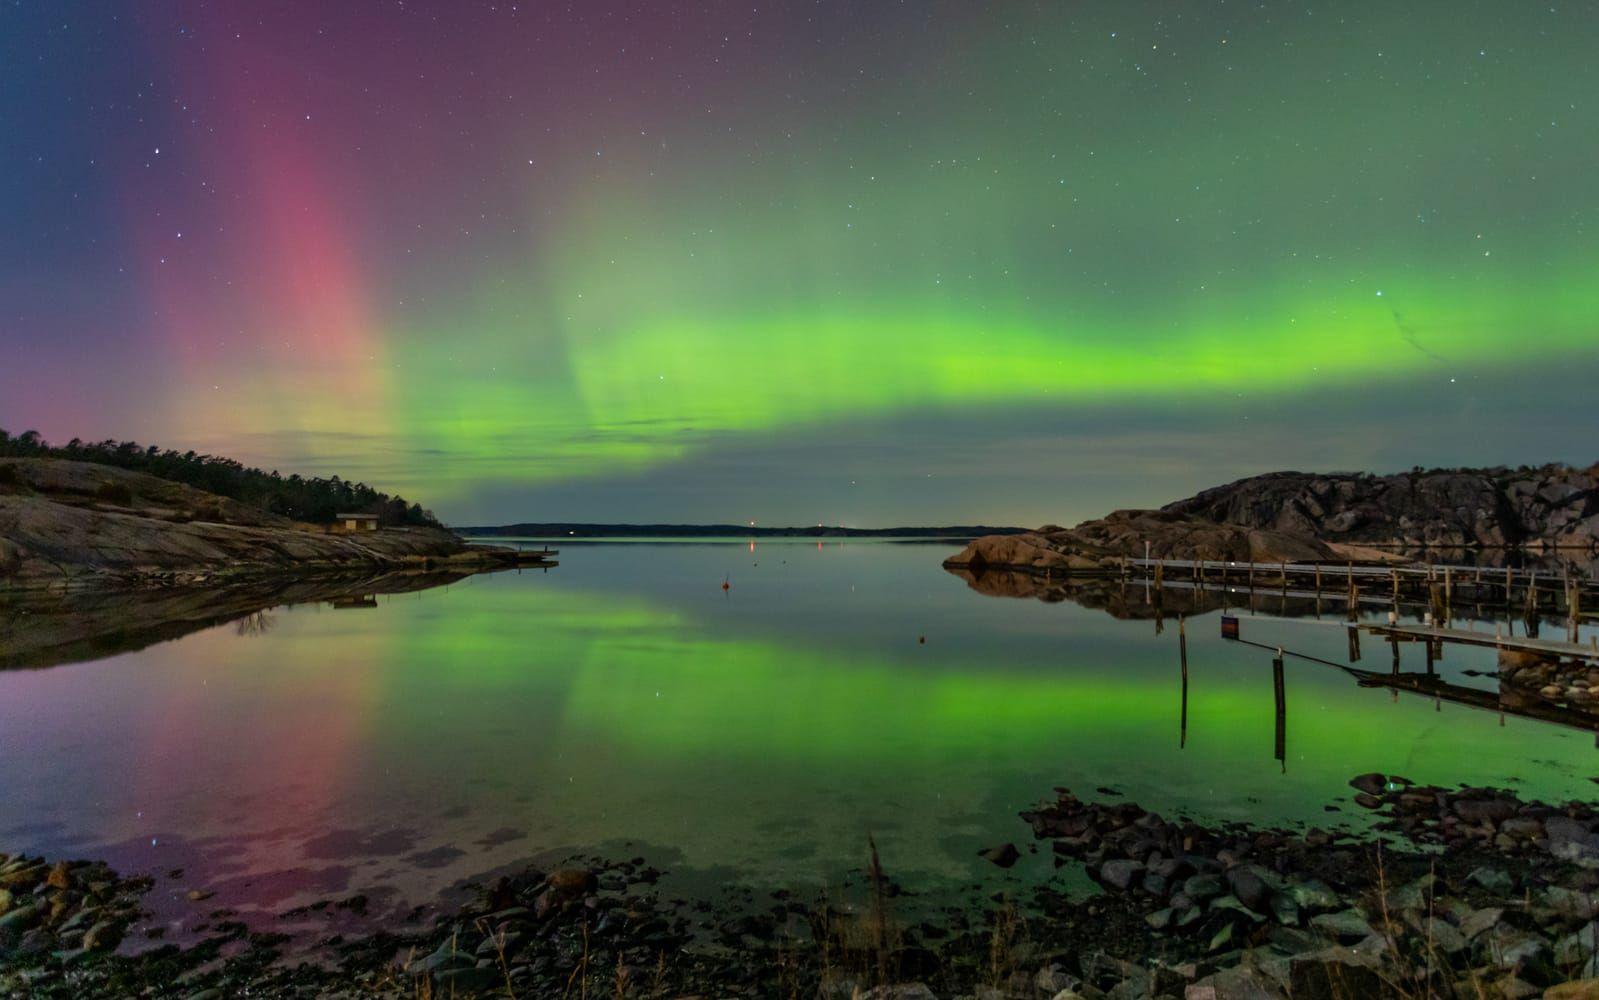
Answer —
862 263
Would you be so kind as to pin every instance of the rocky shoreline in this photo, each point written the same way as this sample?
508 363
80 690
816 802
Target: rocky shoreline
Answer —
68 526
1466 892
1344 518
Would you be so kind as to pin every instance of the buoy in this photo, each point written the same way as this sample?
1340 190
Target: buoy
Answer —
726 583
921 640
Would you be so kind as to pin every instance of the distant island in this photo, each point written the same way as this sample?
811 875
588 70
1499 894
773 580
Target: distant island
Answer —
117 514
565 529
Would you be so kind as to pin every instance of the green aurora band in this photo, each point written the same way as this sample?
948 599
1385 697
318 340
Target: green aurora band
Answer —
582 249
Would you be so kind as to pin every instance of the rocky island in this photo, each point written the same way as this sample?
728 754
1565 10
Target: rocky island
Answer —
85 525
1307 517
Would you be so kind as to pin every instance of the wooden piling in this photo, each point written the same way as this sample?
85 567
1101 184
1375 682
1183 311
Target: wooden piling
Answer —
1280 749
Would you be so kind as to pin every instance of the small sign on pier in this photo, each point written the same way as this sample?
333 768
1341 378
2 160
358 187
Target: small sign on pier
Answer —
1229 626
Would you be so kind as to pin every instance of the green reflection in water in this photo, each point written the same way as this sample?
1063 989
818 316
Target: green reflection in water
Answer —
669 728
624 704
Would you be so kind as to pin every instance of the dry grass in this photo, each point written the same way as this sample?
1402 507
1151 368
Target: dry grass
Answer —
1003 962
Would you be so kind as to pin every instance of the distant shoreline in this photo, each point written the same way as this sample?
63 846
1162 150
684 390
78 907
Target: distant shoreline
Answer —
557 529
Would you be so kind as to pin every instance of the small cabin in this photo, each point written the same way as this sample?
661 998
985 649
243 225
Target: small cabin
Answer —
355 522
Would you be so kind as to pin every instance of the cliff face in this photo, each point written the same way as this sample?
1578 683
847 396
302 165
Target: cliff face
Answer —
1552 506
79 524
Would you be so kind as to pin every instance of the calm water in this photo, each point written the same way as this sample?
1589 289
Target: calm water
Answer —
624 704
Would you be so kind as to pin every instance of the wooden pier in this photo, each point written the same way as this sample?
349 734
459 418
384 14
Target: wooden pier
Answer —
1539 647
536 558
1444 591
1467 580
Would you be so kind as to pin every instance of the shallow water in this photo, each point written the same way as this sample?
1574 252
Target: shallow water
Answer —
625 704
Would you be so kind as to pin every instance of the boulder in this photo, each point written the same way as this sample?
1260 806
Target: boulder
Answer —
1346 925
1253 886
1578 946
1335 973
1570 904
21 918
1372 783
1572 840
1475 922
1203 887
1236 983
1120 874
1484 811
570 883
1313 895
1492 879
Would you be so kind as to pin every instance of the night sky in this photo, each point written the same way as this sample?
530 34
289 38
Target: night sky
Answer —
863 263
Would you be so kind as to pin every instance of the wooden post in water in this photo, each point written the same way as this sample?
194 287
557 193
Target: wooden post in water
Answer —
1318 579
1280 749
1354 643
1393 642
1574 603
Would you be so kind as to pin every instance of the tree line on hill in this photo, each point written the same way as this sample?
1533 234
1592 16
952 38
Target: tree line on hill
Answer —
314 500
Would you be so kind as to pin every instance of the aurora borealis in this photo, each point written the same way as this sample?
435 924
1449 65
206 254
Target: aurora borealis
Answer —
864 263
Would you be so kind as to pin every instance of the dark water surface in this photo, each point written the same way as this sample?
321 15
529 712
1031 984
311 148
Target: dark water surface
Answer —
624 704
